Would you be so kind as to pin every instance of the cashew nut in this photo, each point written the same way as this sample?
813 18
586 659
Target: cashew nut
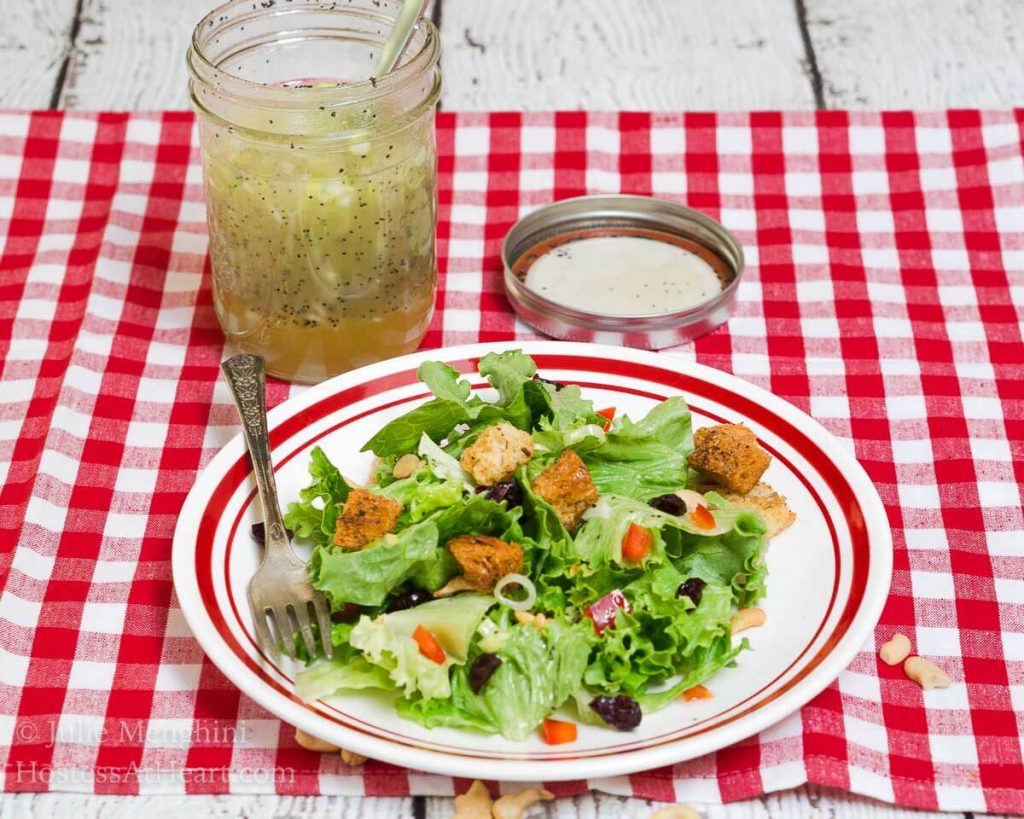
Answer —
896 650
747 618
454 586
538 620
926 674
514 805
474 803
312 743
675 812
406 466
351 758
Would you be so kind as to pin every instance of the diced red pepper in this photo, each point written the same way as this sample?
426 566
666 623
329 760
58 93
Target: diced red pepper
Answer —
429 647
603 611
702 517
609 415
637 543
558 732
698 692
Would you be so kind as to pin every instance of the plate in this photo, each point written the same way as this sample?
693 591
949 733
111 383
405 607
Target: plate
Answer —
828 574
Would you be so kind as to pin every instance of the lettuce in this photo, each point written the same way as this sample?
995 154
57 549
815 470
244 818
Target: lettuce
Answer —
315 514
507 372
421 495
414 554
730 555
443 465
366 576
330 676
599 539
436 418
477 515
455 411
639 459
540 671
386 641
662 636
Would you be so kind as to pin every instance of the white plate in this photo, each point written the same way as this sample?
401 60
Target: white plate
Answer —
828 573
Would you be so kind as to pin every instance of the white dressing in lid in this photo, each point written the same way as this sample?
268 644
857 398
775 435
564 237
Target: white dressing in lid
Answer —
621 269
623 275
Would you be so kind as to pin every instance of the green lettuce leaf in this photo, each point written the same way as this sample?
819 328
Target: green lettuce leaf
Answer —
456 415
703 664
478 515
423 494
444 381
647 458
315 514
452 405
444 466
599 539
540 671
507 372
328 677
731 554
434 418
639 460
387 641
663 636
569 409
366 576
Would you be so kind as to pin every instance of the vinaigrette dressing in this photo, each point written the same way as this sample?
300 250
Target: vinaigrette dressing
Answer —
321 193
322 261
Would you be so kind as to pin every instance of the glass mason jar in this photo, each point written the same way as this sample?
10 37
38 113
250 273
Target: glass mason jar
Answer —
321 180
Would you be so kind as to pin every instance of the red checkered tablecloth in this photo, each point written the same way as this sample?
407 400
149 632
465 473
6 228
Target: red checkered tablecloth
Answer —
884 295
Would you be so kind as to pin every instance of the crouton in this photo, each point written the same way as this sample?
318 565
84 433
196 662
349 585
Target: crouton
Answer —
772 507
728 454
485 560
568 487
496 454
365 517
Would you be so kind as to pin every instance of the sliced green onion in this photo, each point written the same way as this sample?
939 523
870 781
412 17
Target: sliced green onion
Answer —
518 580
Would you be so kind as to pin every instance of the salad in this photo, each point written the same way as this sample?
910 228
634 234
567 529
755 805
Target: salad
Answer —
533 562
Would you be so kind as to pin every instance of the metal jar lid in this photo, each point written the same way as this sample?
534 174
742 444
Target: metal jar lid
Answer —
619 215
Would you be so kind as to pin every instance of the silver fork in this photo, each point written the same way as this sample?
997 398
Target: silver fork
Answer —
280 591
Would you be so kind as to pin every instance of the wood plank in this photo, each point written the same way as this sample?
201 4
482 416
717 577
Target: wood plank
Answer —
920 54
34 40
809 801
131 54
85 806
609 54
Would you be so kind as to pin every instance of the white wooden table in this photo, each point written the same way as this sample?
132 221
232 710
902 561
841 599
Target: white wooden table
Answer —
547 54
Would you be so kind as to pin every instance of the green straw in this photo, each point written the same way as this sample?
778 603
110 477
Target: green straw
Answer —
408 15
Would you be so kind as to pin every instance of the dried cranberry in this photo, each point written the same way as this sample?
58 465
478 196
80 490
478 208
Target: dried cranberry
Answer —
692 588
507 491
621 712
670 504
481 670
259 533
409 600
603 611
346 614
557 385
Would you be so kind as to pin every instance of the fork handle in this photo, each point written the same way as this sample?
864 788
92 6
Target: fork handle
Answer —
246 377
